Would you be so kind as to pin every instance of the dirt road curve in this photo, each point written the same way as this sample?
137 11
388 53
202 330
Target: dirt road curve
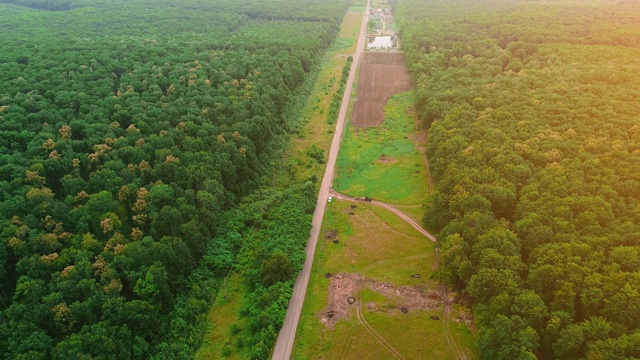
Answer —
284 343
392 209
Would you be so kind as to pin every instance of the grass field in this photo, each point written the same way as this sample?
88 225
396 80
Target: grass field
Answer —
380 4
350 26
383 162
370 235
226 333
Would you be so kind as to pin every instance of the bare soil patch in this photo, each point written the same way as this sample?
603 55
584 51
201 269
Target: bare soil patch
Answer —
342 287
331 234
403 299
407 298
382 74
384 159
420 138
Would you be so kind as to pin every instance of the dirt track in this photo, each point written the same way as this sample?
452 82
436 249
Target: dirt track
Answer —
390 208
382 74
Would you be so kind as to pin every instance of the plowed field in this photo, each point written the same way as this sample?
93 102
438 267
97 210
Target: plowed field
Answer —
382 74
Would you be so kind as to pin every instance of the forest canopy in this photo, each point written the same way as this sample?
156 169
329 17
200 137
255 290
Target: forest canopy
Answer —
131 135
534 142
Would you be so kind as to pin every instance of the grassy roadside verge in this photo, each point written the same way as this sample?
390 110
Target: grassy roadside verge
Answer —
302 162
245 310
226 331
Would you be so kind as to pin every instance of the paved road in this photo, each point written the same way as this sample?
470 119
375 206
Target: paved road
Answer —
284 343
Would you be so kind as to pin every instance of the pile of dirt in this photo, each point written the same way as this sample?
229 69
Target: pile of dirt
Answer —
341 289
403 299
384 159
410 298
382 74
331 234
464 317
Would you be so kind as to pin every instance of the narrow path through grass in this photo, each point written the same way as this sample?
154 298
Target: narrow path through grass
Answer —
376 242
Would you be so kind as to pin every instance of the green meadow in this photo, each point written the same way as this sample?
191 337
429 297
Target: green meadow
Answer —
384 162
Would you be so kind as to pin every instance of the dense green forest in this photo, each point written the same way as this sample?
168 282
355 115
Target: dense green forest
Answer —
138 140
534 141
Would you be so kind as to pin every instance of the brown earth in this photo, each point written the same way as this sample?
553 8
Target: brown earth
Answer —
409 298
382 74
342 287
402 298
331 234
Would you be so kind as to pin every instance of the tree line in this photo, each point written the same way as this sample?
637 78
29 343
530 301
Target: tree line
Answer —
130 134
534 143
49 5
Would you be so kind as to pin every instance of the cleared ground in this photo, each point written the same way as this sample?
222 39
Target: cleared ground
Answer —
398 294
381 75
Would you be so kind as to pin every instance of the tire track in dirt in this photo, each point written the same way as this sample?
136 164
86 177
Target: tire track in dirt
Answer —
453 346
360 314
346 348
389 207
451 342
